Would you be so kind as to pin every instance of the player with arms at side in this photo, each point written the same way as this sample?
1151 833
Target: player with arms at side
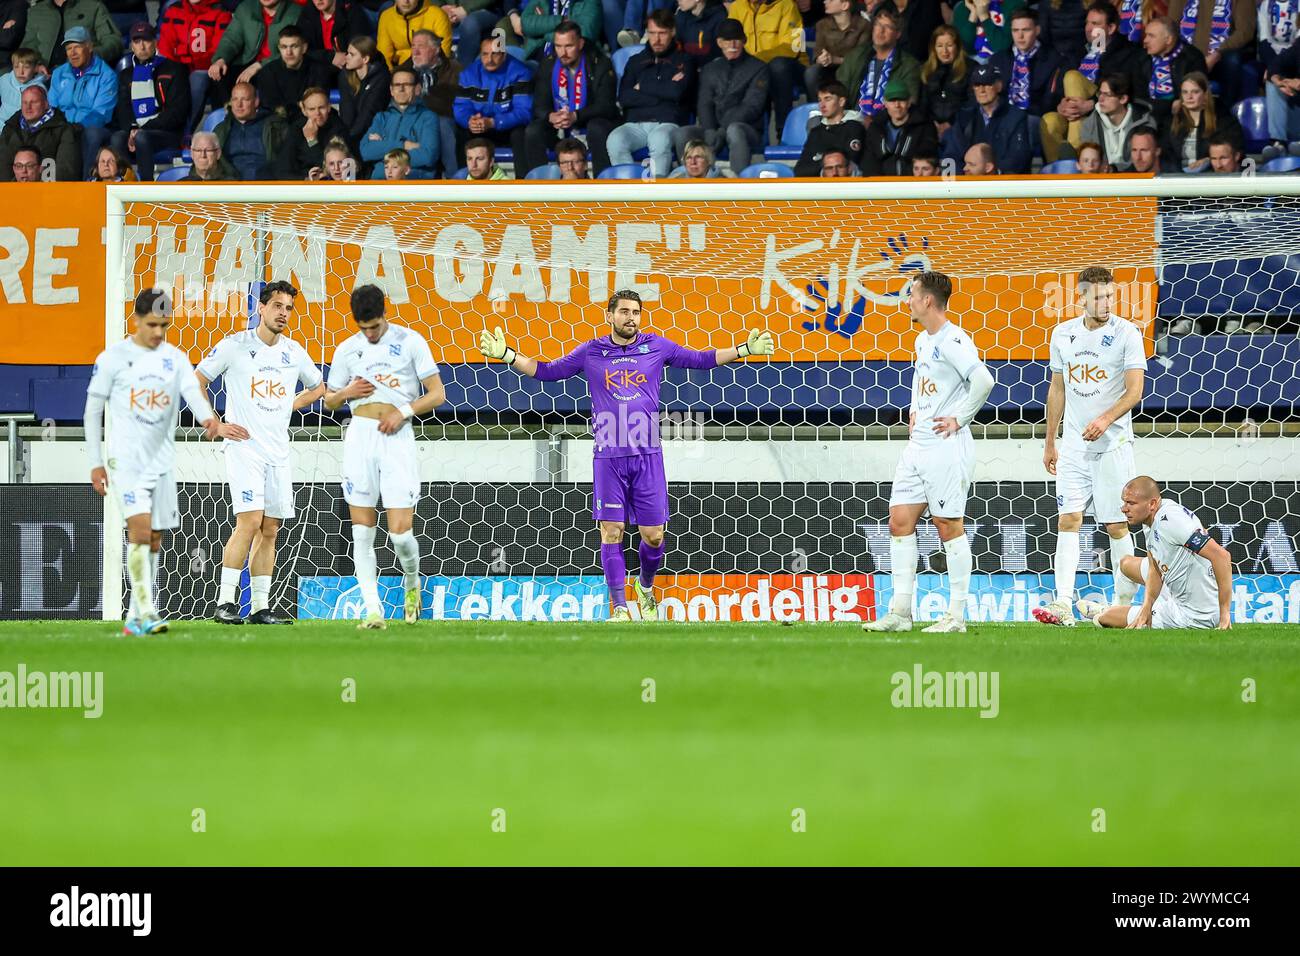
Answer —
380 372
262 369
949 386
139 380
1188 575
1098 365
624 372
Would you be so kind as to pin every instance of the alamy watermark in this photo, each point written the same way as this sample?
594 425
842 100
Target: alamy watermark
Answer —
72 690
949 689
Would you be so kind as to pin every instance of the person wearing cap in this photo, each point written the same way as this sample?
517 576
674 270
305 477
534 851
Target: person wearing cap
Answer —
774 34
867 70
153 102
49 20
991 119
837 129
894 139
1031 71
733 100
85 89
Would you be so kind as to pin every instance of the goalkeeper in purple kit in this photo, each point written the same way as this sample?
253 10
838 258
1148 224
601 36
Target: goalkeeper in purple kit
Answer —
624 371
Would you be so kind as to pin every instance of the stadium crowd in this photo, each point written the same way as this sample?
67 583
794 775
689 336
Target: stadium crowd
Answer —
330 90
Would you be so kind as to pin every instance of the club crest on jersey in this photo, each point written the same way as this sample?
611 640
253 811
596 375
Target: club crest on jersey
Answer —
1107 340
284 358
129 497
395 348
935 354
644 350
247 496
167 365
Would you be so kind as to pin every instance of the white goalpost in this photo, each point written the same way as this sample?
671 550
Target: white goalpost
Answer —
778 469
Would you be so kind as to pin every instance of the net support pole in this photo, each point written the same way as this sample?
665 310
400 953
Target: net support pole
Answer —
110 590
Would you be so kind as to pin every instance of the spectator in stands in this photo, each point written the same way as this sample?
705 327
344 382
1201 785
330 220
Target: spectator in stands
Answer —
340 165
495 99
901 134
571 157
248 134
85 89
1107 49
189 33
1144 151
839 33
1092 159
919 20
281 81
635 13
475 19
655 95
867 70
407 124
1223 30
209 165
1062 22
540 18
980 160
111 166
733 100
26 167
13 24
697 23
837 165
439 82
1031 72
480 160
991 120
363 88
39 125
1166 61
396 165
251 39
1195 117
925 165
774 34
1282 98
1225 154
49 20
328 28
698 162
1110 123
12 84
575 91
944 85
837 129
984 25
401 20
153 102
304 143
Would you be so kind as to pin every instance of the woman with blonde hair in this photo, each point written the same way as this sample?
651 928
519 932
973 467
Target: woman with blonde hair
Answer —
944 89
1194 118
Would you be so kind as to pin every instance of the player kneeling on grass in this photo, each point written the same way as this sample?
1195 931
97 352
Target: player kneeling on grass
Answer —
949 385
379 372
1188 575
140 380
624 372
261 369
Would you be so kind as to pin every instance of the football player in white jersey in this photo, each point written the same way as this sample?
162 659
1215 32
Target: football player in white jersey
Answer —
949 385
1188 575
139 380
1098 363
380 372
261 370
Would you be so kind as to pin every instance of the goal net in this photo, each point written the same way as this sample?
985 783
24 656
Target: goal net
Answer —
779 468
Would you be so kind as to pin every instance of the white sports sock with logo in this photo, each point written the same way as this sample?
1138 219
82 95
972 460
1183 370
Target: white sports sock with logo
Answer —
363 557
1067 565
959 568
408 555
1125 587
138 568
903 554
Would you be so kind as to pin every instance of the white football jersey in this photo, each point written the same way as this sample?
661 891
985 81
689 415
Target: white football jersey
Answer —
944 363
1093 363
1174 540
395 365
261 381
142 388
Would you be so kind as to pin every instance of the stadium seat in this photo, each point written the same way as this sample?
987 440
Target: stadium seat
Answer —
1281 164
794 135
1062 167
16 385
621 56
335 96
504 154
767 171
461 173
549 171
625 171
61 399
212 119
518 53
173 173
1250 113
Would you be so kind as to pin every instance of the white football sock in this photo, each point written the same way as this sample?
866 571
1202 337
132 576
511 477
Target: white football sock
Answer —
903 554
959 565
1125 587
229 593
408 555
260 585
138 567
1067 564
363 557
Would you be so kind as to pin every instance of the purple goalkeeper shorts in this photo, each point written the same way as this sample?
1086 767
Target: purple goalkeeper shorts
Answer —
632 490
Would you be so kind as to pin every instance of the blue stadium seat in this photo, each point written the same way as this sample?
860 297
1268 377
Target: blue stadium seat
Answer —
1250 113
335 97
16 385
77 371
461 173
172 173
62 399
767 171
504 154
625 171
621 56
549 171
518 53
1281 164
212 119
1062 167
794 135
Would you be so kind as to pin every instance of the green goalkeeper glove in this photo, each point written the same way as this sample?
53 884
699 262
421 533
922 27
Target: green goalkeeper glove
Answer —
493 346
760 343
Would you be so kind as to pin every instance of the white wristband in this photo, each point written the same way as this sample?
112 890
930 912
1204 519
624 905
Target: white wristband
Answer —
406 410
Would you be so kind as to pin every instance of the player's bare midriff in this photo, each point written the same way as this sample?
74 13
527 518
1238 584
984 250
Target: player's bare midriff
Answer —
375 410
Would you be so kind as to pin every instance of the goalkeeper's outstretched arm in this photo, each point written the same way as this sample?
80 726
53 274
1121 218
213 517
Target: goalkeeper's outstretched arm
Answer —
758 343
493 346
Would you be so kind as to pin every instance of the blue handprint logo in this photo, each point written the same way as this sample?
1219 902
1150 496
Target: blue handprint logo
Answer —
842 302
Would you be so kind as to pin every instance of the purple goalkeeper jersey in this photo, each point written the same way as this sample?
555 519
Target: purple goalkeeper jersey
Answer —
624 382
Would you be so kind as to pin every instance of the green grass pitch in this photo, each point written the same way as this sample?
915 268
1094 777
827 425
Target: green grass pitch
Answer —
547 722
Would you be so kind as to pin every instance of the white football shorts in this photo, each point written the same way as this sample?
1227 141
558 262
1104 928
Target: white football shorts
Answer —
1094 483
938 474
256 485
379 467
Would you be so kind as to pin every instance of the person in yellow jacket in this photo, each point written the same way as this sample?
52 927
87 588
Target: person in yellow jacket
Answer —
774 34
399 22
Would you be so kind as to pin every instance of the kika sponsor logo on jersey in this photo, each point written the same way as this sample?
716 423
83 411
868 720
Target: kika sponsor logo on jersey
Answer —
149 399
265 388
1085 373
926 386
623 378
388 379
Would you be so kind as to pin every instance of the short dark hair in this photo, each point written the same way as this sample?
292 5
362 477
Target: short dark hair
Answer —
936 284
1095 275
890 14
627 294
275 288
1112 15
1118 82
1223 139
835 88
570 145
568 26
1024 13
291 32
1144 131
409 70
29 149
664 18
154 301
482 142
367 303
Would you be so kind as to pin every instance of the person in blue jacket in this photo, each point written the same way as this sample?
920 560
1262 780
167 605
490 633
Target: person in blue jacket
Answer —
495 100
407 124
990 119
85 89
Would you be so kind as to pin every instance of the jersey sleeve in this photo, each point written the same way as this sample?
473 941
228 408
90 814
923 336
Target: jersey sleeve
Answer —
102 375
679 356
1182 526
188 385
422 358
1055 361
563 368
216 361
308 373
340 370
1135 353
960 353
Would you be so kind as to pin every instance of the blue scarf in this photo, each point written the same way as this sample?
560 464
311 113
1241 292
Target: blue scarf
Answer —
1280 31
568 96
1090 65
559 8
33 127
144 99
1161 86
982 48
1220 22
1019 90
871 95
1130 20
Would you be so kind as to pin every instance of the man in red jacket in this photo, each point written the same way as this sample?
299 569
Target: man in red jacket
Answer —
188 34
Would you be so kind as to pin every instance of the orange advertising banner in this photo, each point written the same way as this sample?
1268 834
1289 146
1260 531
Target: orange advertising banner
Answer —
764 597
